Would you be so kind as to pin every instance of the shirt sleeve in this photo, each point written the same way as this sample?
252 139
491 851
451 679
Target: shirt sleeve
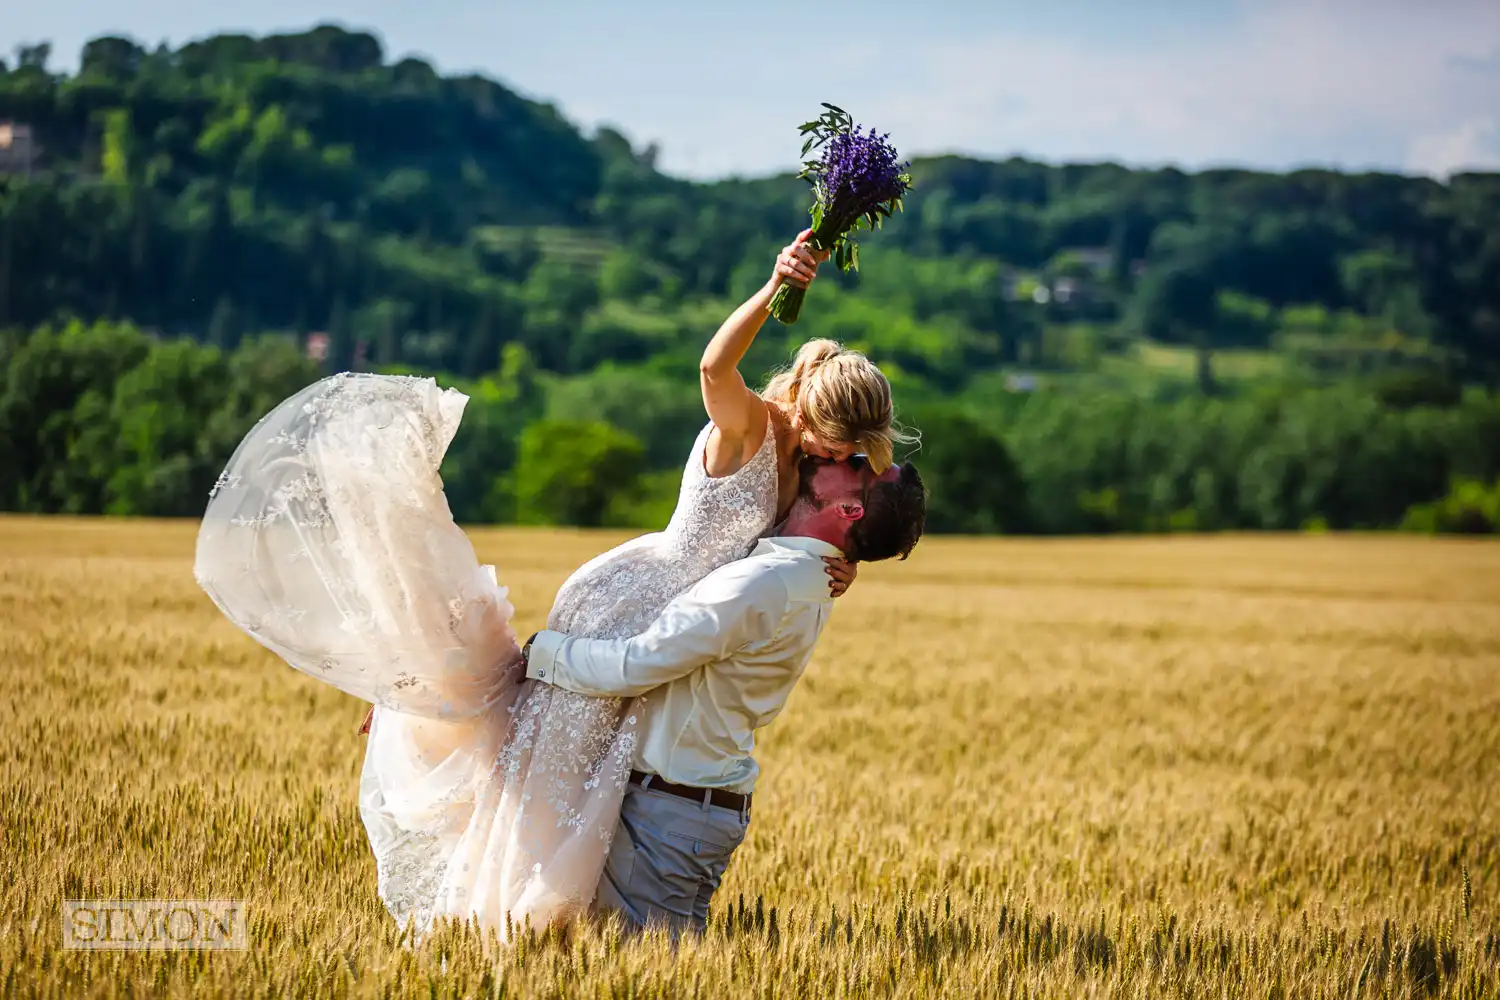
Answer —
731 608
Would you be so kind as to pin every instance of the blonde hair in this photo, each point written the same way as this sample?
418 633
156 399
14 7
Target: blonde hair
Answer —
843 399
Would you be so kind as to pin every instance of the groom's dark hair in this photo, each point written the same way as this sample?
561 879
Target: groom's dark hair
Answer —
895 512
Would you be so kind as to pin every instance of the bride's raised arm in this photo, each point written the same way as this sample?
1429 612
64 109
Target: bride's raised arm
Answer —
738 413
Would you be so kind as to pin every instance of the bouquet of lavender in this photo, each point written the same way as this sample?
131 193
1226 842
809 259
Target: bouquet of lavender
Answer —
856 182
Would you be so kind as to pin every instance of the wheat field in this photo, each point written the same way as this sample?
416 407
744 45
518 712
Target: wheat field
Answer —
1214 767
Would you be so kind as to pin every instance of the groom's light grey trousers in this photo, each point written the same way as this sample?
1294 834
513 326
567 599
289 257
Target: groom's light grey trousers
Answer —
667 858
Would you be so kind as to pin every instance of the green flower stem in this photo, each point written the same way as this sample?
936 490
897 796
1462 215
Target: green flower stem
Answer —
786 304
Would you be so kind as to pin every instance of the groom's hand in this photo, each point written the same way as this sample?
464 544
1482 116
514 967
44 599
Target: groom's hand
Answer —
526 658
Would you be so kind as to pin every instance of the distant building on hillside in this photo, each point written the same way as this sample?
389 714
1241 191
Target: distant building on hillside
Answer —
18 149
1065 290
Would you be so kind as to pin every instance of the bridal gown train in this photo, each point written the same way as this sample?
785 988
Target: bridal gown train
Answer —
328 540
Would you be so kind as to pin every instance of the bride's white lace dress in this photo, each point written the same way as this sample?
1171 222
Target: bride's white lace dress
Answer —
328 539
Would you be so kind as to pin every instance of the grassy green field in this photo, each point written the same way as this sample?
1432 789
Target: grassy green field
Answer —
1218 767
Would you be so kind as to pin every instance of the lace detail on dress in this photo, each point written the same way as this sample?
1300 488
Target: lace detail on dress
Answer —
408 411
328 539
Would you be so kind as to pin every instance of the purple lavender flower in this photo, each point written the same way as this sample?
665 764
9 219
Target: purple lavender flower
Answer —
856 182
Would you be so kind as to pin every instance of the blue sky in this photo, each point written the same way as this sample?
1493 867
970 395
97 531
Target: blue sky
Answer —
1406 85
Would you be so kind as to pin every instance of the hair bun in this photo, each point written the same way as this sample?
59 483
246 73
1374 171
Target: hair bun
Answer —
810 357
813 353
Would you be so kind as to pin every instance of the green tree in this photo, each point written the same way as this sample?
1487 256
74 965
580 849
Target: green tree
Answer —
973 484
479 468
663 413
151 450
1177 302
625 275
260 373
569 472
57 387
111 57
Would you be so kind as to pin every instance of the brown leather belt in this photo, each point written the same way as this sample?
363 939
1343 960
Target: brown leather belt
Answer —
716 796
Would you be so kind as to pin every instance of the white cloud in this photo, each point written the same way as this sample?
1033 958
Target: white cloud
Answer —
1330 82
1470 146
1387 84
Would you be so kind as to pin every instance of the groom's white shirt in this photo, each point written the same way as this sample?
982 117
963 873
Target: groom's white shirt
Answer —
718 663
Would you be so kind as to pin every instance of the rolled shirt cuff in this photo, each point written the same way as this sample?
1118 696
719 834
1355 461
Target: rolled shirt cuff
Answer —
540 663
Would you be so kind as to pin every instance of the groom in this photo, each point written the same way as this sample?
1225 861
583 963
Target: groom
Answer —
716 666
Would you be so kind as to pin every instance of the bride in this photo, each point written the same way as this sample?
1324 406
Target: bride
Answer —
328 540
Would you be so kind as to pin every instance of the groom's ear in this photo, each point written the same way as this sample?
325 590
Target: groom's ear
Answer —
850 510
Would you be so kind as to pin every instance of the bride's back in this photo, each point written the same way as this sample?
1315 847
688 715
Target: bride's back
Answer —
621 592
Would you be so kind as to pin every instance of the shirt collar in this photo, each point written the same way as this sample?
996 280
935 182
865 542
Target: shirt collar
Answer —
800 543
